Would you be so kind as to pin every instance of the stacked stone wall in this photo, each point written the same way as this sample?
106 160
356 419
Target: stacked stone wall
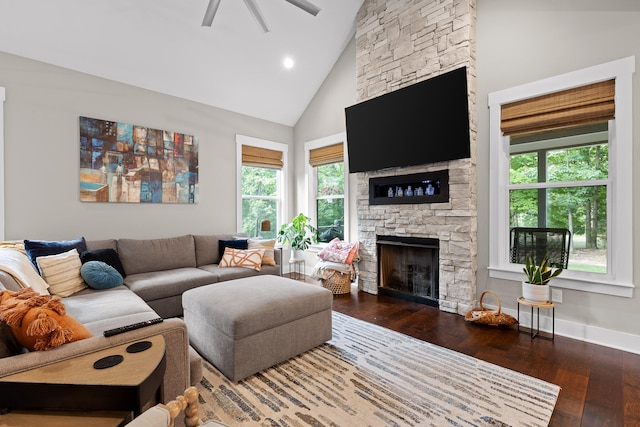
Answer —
400 43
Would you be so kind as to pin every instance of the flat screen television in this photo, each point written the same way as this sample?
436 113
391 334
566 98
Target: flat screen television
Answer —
424 123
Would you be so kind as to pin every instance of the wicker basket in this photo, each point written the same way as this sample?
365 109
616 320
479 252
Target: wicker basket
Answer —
337 282
486 316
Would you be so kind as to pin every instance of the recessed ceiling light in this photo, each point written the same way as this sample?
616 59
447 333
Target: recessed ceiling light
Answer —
288 62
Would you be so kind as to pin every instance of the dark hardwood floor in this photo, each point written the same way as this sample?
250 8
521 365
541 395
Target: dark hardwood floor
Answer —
600 386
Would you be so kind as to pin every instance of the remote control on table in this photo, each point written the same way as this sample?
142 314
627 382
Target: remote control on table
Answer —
127 328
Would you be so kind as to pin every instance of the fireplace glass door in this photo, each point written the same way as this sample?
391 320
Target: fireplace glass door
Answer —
408 269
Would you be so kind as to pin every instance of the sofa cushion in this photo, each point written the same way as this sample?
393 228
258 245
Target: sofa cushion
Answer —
163 284
142 256
62 273
109 256
100 310
93 245
38 248
207 248
100 275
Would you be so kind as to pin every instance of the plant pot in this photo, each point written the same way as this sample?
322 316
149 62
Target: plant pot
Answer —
535 293
297 254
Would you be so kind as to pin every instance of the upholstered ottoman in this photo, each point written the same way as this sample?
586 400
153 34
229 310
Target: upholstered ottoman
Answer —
246 325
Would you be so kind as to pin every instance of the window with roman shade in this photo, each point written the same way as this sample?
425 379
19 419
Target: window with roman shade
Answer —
561 158
327 164
261 185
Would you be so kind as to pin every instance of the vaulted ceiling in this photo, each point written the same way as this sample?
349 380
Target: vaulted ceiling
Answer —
161 45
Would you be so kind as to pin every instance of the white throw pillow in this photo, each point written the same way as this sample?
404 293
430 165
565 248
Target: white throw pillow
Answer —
268 245
62 273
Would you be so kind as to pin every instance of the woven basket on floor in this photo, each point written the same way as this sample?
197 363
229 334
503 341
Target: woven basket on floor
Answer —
486 316
337 282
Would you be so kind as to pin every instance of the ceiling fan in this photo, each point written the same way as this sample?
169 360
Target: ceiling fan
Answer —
212 8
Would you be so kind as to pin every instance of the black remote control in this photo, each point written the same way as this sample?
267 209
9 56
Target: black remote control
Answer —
127 328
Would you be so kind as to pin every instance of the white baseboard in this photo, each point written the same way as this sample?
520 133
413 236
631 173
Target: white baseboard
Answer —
587 333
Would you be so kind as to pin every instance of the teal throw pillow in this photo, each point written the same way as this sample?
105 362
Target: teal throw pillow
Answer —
100 275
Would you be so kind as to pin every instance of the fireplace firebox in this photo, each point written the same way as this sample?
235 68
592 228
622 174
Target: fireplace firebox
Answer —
408 268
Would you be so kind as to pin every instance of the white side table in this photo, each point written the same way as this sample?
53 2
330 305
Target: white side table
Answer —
296 269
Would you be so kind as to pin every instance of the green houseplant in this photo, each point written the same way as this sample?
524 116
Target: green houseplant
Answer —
299 233
536 287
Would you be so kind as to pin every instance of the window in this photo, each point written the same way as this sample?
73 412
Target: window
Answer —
327 181
553 169
261 166
559 179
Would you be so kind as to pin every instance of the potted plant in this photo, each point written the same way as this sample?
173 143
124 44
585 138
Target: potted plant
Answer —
299 233
536 287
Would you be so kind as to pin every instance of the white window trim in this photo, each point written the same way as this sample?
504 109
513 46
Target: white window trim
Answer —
311 179
2 99
619 279
282 187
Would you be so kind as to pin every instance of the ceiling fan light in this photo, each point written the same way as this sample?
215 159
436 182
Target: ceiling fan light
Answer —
212 8
257 14
306 6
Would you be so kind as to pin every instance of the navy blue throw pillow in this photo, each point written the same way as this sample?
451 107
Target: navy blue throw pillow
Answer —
108 256
100 275
37 248
234 244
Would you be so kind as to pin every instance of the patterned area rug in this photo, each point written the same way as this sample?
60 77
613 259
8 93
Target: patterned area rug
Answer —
371 376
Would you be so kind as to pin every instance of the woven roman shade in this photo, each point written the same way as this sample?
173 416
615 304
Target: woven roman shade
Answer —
261 157
582 105
327 155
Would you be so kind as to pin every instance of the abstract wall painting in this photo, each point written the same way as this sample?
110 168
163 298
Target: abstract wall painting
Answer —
126 163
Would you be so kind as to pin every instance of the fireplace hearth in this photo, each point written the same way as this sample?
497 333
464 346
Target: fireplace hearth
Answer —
408 268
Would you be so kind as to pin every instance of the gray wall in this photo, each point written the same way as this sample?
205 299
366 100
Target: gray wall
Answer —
519 42
324 116
42 106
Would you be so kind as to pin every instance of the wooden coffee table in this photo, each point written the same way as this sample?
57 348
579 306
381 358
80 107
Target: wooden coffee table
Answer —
75 384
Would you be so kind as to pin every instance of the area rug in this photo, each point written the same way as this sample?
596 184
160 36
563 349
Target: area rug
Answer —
368 375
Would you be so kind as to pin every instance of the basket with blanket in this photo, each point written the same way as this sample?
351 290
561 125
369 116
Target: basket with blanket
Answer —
337 267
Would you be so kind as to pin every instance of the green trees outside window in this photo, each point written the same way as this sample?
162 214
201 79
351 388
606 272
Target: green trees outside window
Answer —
330 201
561 181
260 200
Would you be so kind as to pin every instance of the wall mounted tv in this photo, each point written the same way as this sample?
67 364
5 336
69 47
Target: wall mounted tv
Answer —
426 122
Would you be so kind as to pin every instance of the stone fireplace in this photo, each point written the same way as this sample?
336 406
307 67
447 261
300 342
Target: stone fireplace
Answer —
400 43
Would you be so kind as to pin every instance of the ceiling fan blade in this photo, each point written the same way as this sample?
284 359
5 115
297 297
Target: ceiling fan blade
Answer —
257 14
306 6
212 8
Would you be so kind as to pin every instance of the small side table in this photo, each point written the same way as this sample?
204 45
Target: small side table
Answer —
538 305
296 269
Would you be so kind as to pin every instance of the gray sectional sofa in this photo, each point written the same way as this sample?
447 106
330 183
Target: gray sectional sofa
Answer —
157 271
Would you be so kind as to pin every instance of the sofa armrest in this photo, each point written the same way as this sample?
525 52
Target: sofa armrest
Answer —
174 331
277 255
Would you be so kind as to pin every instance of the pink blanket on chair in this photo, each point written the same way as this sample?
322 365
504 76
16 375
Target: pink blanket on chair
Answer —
340 251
